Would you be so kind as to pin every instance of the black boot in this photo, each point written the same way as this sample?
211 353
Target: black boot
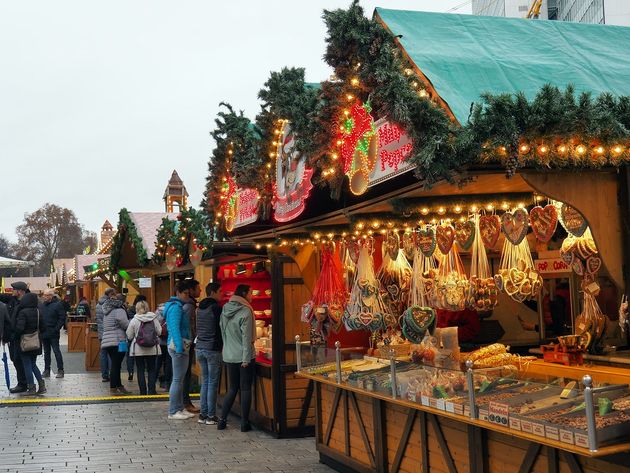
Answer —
42 387
46 373
20 388
60 374
31 390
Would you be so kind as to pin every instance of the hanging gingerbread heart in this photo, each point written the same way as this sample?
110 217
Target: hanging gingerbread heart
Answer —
514 225
593 264
408 245
572 220
392 244
425 240
568 257
354 250
489 230
445 236
465 234
543 222
578 267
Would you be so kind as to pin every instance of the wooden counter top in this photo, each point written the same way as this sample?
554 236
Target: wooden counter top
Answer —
600 374
601 452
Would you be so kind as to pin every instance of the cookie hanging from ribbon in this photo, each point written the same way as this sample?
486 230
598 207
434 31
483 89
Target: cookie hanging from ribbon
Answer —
489 230
514 225
543 221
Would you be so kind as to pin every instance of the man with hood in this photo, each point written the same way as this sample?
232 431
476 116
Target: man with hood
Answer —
239 332
104 358
28 320
115 323
54 317
20 288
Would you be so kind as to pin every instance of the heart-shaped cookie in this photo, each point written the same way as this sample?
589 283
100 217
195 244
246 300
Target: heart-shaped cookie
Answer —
578 267
567 257
593 264
445 236
408 245
572 220
489 230
425 241
514 225
465 234
392 244
543 222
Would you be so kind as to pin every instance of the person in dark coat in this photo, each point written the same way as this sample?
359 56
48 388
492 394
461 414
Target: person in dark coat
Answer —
19 290
4 319
83 308
54 317
29 320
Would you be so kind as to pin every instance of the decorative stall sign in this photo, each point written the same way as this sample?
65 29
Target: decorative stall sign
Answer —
293 178
371 151
241 206
144 283
551 265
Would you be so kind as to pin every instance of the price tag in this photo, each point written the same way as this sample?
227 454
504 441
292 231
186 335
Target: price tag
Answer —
539 429
441 404
566 436
450 407
433 402
499 413
581 440
412 396
526 426
552 433
467 411
515 424
483 414
425 400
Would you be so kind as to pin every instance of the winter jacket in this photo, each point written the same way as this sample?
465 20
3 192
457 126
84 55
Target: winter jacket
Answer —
28 318
83 308
177 323
115 323
54 316
190 308
132 333
4 319
238 331
159 312
209 325
99 316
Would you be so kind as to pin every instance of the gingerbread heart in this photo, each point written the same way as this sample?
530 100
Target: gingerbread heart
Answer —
392 244
354 250
425 241
465 234
445 236
514 225
408 245
568 257
572 220
489 229
543 222
578 267
593 264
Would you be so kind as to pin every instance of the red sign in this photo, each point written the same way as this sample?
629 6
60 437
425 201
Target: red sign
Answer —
551 265
293 179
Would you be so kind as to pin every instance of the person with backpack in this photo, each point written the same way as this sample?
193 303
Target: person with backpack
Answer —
115 324
144 332
179 342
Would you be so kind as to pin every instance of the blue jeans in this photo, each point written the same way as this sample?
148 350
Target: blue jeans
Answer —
176 393
210 362
30 368
104 361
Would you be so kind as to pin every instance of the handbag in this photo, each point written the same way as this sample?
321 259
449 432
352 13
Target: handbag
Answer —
31 341
123 346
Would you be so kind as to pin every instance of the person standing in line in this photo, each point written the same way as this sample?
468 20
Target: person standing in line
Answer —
190 307
20 289
29 320
131 312
238 331
164 362
208 350
144 331
110 293
54 317
178 327
115 324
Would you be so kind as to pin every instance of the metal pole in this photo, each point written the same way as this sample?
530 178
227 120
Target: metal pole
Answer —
471 390
392 365
298 353
590 412
338 360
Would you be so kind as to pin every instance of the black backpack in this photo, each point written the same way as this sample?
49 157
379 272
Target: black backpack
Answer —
147 335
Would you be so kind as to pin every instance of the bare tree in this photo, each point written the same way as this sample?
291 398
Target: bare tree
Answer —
5 247
50 232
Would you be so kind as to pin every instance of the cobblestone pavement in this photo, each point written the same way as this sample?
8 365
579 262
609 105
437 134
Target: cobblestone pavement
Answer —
132 437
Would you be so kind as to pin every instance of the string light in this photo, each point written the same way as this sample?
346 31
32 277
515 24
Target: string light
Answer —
599 150
580 149
617 150
524 148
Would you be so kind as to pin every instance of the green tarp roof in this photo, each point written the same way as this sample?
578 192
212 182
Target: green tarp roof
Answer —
464 55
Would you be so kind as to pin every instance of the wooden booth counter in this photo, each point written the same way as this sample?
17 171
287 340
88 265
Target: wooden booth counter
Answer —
92 348
361 431
76 334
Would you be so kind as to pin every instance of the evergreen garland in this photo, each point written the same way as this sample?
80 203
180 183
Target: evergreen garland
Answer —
126 229
176 236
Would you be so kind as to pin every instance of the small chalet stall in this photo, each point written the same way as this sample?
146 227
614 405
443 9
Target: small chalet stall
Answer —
423 263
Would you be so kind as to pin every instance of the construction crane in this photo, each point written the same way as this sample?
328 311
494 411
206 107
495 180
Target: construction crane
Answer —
534 10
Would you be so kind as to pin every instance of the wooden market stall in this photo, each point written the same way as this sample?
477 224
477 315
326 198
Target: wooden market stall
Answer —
415 219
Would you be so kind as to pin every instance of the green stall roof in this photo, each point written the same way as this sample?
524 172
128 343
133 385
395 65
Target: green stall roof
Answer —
464 56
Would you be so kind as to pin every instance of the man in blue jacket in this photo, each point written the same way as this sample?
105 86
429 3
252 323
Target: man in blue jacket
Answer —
54 316
178 343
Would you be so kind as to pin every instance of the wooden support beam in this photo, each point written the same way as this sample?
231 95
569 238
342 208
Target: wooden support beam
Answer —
404 440
574 465
346 422
307 404
446 453
380 434
424 442
359 418
530 457
477 449
553 462
333 415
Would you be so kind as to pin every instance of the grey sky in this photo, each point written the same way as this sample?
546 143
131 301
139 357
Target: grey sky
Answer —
100 101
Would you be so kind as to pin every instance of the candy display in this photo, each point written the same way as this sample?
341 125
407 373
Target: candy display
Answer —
395 281
451 284
484 294
516 274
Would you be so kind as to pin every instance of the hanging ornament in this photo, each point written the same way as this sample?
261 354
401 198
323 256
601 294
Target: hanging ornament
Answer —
391 245
445 236
514 225
572 220
484 293
395 279
196 255
171 259
452 286
543 221
490 230
465 234
408 245
517 276
425 240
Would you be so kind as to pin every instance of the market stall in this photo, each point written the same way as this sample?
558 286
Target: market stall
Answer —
465 211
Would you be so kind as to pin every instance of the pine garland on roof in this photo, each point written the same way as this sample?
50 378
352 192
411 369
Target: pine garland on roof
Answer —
126 229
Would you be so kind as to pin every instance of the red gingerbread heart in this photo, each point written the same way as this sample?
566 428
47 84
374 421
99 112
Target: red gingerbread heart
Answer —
465 234
489 230
408 245
445 236
425 239
514 225
543 222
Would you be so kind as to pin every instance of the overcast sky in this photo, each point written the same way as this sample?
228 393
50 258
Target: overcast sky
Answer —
100 101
